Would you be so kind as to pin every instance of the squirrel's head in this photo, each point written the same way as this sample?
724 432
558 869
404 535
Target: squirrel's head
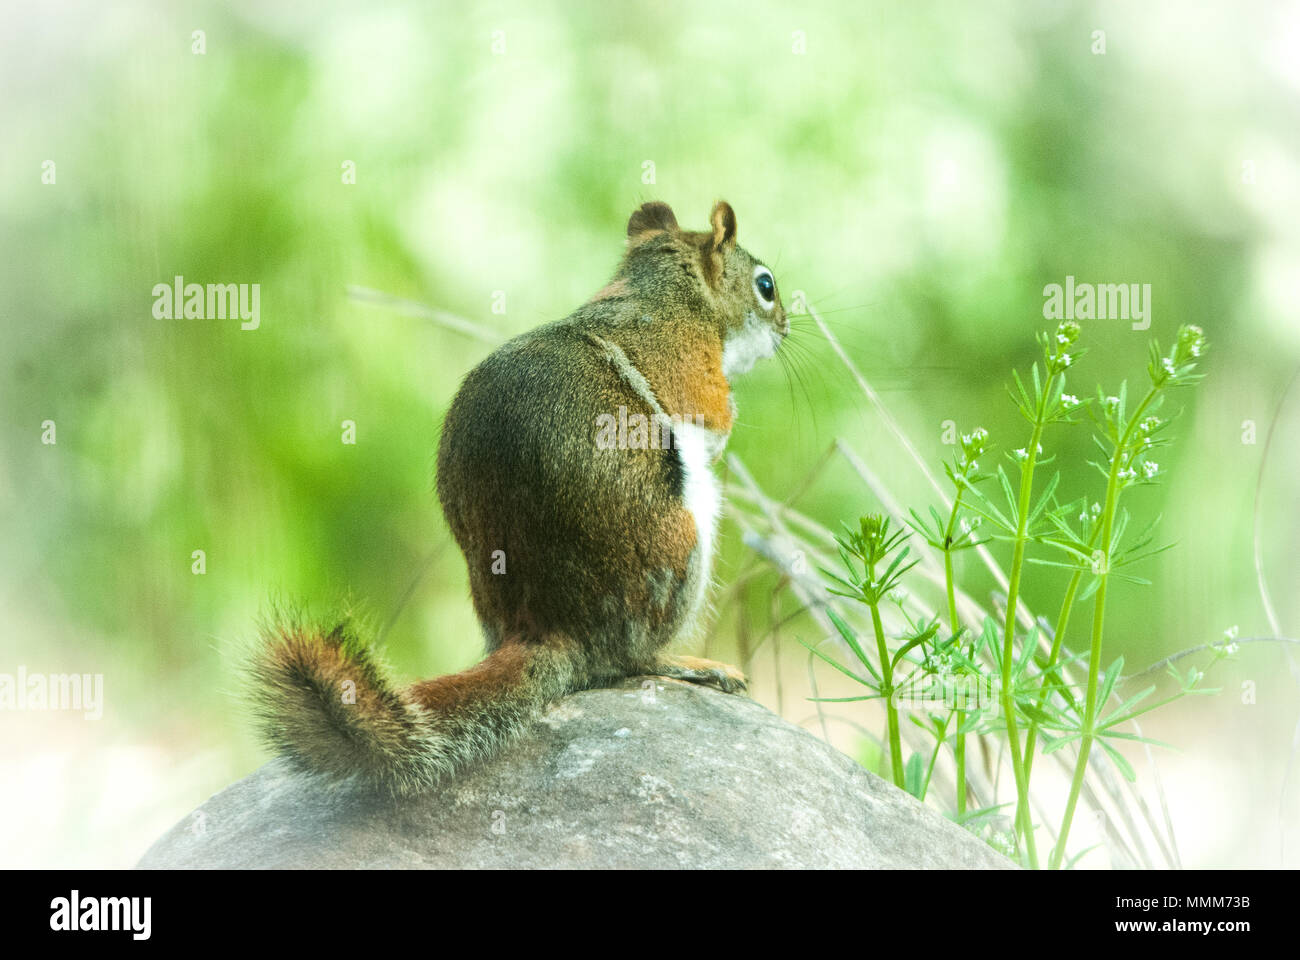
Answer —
707 278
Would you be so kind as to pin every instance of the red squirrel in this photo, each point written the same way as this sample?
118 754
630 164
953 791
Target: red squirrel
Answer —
575 472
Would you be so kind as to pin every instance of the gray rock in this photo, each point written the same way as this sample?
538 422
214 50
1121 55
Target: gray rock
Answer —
651 774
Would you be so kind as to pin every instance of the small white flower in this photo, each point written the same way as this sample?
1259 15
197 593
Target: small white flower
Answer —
1229 645
1070 400
1168 365
1150 469
1021 453
1192 340
1065 359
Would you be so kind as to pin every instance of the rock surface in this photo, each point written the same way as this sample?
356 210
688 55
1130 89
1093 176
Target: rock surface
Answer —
652 774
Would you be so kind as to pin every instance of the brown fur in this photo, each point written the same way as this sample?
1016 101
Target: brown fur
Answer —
616 288
603 566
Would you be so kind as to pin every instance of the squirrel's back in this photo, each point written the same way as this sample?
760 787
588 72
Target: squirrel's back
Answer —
574 470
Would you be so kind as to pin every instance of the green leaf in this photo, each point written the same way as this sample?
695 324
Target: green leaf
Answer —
1117 532
902 555
1046 496
983 813
1042 717
839 666
1030 644
1129 578
1108 681
1134 737
933 537
1080 855
1021 400
914 642
1056 743
851 639
1120 713
838 579
988 636
1012 503
1125 767
990 513
1089 589
913 775
1051 563
1132 556
840 593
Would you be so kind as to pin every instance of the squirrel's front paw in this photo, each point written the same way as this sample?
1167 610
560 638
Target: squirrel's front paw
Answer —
724 676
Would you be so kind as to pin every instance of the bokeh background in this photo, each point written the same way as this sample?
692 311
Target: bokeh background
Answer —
920 171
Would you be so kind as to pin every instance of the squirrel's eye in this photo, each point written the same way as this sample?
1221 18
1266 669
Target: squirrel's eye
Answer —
765 287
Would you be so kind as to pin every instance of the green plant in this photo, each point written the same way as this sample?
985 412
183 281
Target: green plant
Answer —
1026 662
861 552
1129 442
948 538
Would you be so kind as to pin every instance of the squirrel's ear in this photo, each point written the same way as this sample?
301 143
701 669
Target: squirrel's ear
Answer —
651 216
713 255
723 219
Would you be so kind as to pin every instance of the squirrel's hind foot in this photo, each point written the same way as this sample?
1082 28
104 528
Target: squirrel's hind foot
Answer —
711 673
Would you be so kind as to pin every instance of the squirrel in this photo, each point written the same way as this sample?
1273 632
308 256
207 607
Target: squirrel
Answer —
575 473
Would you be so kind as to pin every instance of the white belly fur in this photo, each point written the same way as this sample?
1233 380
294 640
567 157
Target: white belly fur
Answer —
697 447
701 495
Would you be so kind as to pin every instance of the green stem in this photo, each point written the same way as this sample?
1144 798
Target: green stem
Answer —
959 738
934 754
1058 639
1098 622
1024 818
887 690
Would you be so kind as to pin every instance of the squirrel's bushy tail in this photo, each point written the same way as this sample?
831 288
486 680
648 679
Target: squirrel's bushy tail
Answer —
324 702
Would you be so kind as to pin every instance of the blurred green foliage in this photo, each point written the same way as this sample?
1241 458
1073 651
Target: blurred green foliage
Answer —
921 172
